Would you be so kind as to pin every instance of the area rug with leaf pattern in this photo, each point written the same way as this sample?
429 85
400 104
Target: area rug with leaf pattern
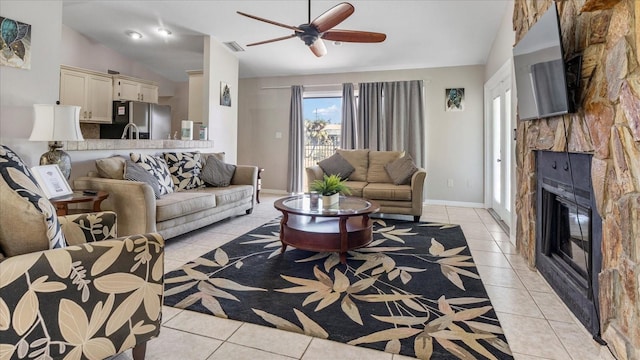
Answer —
414 291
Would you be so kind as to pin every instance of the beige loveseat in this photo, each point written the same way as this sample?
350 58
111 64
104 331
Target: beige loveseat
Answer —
370 180
172 214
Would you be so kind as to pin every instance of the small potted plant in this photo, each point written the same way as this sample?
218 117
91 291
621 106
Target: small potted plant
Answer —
330 188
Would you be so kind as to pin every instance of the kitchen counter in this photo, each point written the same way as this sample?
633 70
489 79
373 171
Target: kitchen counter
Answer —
109 144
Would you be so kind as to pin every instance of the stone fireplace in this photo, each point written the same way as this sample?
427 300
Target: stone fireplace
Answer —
606 126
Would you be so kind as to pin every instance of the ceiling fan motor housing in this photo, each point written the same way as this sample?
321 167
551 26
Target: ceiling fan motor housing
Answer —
309 34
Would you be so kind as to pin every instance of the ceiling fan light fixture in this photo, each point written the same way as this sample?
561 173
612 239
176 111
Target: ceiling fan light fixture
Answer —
164 32
133 34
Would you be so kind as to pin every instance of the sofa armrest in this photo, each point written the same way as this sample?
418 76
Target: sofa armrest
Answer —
246 175
91 301
314 172
417 190
89 227
134 202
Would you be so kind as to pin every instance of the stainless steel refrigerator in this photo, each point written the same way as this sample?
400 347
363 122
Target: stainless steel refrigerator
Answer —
153 121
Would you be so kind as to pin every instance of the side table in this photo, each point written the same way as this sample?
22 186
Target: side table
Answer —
62 203
260 170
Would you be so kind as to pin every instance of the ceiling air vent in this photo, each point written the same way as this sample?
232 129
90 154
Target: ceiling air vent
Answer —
234 46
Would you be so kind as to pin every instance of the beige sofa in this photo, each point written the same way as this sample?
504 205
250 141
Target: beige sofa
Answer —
371 181
172 214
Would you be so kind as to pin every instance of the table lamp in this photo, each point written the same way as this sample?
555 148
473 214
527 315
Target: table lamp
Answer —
55 123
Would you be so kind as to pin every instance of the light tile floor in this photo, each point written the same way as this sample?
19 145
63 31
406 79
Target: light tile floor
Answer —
536 323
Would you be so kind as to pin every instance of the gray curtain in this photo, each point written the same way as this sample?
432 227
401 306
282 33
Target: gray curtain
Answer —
349 138
370 128
404 118
296 141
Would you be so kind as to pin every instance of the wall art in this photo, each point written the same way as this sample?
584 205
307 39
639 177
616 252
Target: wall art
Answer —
15 42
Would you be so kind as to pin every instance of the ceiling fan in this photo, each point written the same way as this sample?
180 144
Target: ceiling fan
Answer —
321 27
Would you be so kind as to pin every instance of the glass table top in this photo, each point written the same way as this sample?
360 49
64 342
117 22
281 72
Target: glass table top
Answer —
302 205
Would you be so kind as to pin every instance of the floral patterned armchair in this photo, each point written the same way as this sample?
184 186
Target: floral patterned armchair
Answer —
69 289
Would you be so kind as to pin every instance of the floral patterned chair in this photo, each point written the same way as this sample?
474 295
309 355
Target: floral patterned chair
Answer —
69 289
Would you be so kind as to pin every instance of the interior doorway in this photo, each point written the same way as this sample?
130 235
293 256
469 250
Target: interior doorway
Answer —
499 144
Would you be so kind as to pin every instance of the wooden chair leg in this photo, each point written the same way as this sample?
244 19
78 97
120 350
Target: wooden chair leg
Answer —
139 351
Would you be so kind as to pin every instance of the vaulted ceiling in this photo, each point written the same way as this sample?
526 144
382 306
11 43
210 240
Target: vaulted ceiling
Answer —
420 33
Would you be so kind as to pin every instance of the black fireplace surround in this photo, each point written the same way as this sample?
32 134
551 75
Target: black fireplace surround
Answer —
569 232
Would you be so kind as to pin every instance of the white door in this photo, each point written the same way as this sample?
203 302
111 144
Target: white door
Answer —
499 143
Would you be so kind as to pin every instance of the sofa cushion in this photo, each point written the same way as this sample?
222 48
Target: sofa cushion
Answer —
157 167
217 173
401 170
388 191
377 160
359 159
181 203
134 172
111 167
336 165
230 194
356 187
28 221
185 169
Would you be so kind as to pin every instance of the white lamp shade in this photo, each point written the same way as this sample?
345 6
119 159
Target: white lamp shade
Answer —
56 123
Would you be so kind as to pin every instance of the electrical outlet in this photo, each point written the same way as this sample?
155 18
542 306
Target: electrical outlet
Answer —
450 183
278 135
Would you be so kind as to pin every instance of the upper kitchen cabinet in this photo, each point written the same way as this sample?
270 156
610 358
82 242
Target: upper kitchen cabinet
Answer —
128 88
92 91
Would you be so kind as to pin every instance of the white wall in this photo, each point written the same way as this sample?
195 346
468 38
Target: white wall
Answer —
502 48
20 89
454 140
220 65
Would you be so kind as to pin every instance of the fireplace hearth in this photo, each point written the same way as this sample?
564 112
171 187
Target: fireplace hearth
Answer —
569 232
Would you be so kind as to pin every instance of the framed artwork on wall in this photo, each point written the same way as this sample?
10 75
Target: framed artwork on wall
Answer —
454 99
225 94
15 38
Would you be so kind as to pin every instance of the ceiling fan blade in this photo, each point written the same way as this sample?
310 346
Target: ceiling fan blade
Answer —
354 36
318 48
270 21
333 17
272 40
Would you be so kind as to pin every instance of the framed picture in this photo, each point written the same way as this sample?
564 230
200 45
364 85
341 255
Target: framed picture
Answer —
16 44
51 181
454 99
225 94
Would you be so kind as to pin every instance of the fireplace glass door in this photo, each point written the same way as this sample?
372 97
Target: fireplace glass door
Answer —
572 240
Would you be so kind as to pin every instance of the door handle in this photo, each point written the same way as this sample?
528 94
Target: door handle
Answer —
498 160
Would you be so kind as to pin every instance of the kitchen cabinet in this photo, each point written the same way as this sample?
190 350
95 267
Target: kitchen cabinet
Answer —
92 91
128 88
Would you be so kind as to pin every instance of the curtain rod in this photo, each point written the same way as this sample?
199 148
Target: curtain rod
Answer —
289 86
427 81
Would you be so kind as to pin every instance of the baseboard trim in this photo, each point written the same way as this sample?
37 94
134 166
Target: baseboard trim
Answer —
454 203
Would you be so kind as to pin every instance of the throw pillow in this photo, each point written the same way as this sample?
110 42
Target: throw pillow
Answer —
401 170
157 167
217 173
28 221
336 165
185 168
111 167
135 172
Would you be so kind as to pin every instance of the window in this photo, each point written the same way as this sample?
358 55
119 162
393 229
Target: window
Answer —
323 124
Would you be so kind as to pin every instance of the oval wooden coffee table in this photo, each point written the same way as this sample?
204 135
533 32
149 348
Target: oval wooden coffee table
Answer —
344 226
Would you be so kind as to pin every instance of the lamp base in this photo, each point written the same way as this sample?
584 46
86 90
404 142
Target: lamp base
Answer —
56 156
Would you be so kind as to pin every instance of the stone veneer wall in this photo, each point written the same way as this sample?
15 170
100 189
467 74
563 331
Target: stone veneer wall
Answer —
607 124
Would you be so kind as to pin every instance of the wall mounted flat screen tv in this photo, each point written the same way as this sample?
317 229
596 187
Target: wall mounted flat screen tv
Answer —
544 86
